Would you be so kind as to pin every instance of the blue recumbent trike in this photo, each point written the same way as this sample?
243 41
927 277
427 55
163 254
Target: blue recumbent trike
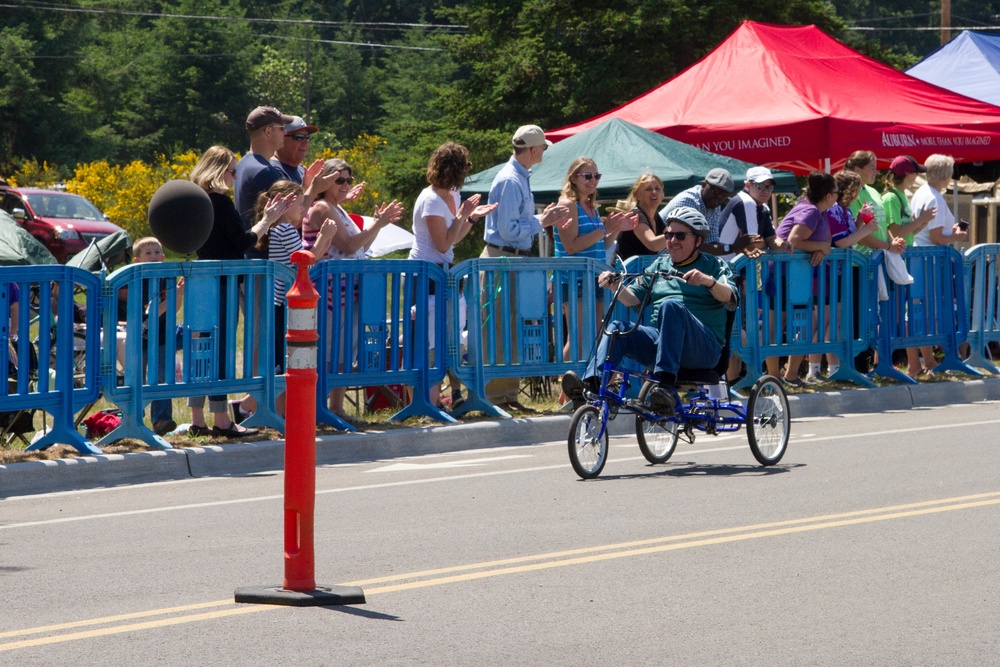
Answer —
702 401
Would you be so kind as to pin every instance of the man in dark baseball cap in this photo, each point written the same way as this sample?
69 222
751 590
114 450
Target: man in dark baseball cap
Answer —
263 116
254 172
708 198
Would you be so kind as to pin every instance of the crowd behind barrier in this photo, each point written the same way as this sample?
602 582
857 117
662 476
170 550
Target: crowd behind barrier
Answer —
405 326
516 326
801 309
930 311
982 296
396 320
57 373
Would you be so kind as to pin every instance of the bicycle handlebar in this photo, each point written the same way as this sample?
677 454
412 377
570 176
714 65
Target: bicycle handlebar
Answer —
663 273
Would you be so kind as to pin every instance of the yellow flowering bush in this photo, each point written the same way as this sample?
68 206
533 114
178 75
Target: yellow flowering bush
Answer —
122 192
30 174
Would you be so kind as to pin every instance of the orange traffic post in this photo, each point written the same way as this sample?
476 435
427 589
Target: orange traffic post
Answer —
299 588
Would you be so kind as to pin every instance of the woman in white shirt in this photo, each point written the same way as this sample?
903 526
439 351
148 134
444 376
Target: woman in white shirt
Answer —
441 220
941 230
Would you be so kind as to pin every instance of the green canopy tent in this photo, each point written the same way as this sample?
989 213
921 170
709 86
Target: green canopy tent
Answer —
624 151
18 247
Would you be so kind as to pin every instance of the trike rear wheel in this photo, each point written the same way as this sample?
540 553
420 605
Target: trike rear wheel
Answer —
768 420
657 439
588 449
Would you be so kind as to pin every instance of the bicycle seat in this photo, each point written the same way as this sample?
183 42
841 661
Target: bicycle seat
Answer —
710 375
701 375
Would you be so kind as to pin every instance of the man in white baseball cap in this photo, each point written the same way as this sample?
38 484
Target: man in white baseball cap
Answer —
746 224
292 154
511 228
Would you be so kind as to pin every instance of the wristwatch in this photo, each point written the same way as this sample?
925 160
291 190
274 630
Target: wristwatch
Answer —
726 247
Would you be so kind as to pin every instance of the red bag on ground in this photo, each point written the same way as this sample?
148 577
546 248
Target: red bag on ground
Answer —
101 423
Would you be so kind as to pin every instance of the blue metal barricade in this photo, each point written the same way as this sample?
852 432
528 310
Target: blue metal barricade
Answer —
378 323
66 378
205 336
931 311
514 329
982 296
793 308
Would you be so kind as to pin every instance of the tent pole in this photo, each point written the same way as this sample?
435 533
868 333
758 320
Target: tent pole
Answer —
954 199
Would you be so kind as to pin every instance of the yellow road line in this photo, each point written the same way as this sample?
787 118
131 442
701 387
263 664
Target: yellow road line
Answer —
114 619
429 578
671 538
665 547
133 627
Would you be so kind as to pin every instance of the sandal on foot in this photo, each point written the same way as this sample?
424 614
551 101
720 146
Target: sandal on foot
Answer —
196 431
234 431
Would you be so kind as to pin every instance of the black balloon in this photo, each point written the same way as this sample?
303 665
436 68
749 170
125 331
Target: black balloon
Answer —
181 216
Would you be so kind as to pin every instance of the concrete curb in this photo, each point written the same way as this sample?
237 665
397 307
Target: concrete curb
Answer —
243 459
18 479
87 472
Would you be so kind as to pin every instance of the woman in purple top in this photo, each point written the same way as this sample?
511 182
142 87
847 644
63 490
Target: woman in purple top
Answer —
807 228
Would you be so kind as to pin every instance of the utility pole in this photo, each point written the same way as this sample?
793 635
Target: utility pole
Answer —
308 84
945 21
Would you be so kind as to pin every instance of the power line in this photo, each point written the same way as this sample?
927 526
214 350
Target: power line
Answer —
894 18
924 29
307 22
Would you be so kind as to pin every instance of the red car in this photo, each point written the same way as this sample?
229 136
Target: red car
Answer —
64 223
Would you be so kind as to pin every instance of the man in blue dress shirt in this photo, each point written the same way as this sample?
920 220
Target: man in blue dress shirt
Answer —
512 227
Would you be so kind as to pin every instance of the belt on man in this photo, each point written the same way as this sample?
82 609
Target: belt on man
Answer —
509 250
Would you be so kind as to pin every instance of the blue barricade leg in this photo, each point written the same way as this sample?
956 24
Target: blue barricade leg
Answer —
63 433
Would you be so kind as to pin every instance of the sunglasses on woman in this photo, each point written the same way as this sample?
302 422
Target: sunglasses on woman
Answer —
588 176
341 180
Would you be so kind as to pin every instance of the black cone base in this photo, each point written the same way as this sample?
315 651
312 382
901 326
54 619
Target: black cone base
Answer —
321 596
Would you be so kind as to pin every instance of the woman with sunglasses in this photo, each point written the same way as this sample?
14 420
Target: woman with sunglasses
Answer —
349 242
585 235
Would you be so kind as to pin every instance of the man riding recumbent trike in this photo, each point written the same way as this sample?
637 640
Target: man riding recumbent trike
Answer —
686 344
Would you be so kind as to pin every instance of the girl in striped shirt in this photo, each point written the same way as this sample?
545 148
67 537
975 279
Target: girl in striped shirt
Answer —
281 241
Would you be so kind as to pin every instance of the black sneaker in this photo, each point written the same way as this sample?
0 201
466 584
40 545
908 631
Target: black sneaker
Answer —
572 386
161 428
660 399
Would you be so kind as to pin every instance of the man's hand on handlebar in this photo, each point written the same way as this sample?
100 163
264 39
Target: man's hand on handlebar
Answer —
607 278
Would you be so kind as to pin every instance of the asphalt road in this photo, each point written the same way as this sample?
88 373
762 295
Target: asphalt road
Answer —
874 542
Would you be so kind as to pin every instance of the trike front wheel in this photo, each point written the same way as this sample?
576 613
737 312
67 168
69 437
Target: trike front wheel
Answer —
768 420
657 439
588 447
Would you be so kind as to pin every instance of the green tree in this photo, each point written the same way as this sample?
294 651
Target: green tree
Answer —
17 84
554 62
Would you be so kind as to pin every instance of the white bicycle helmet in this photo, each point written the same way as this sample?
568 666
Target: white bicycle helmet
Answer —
690 217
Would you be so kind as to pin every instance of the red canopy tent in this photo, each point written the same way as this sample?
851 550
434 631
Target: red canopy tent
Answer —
793 97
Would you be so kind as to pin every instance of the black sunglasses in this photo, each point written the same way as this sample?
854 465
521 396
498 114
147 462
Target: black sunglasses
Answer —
680 236
341 180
